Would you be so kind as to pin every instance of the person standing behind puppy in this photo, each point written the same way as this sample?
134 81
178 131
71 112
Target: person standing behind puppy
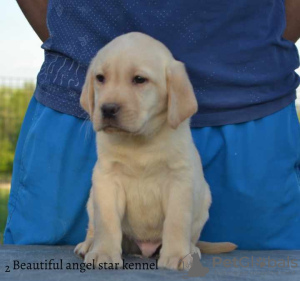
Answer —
240 56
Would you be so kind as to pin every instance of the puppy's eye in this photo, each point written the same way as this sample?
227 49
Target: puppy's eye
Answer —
100 78
139 80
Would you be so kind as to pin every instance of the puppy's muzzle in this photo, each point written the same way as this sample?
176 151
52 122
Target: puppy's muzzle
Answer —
110 110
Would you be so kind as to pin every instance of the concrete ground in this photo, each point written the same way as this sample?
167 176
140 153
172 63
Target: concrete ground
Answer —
238 265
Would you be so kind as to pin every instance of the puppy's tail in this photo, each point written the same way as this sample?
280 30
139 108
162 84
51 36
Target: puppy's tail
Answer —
215 248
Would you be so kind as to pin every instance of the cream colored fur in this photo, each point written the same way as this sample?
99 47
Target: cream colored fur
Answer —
148 183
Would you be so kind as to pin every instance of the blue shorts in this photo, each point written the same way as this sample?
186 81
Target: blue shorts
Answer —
252 169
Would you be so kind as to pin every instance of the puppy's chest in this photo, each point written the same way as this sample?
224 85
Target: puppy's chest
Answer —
144 189
144 216
140 166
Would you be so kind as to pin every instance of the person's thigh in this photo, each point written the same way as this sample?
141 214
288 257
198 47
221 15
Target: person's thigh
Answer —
51 179
253 172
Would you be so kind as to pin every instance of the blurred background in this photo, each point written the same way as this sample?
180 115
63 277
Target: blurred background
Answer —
21 57
20 60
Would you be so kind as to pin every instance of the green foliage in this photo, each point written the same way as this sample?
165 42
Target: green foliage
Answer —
13 105
6 156
3 211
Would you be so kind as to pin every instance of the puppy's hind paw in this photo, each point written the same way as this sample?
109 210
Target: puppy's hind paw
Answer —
195 250
83 248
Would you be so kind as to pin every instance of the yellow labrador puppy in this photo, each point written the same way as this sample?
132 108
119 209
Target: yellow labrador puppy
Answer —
148 185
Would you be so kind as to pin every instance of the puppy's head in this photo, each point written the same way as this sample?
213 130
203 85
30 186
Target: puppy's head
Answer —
134 85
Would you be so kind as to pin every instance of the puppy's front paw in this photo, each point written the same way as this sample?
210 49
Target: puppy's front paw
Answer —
179 262
82 248
175 262
102 257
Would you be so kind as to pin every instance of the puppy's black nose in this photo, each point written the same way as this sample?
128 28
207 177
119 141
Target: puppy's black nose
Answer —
110 110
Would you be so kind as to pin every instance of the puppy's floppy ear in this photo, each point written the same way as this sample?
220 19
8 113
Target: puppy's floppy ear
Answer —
182 102
87 93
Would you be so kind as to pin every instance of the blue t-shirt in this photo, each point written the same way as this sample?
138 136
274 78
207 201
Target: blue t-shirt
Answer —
240 66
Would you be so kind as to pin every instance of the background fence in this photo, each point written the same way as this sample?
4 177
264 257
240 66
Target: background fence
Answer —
15 94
